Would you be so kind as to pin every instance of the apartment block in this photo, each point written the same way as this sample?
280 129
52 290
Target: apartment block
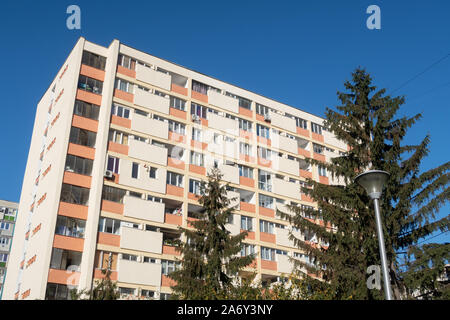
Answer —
121 141
8 215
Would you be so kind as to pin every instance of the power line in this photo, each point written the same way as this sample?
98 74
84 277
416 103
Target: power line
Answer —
421 73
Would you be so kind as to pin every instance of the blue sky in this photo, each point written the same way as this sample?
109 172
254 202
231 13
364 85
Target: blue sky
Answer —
297 52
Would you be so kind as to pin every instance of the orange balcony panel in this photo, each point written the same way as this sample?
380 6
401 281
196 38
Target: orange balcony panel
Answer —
179 89
175 163
117 147
264 162
125 71
167 282
250 234
305 174
77 179
324 180
303 132
85 123
247 182
246 158
174 190
253 264
264 140
126 123
89 97
304 197
114 179
267 237
305 153
177 113
246 112
63 277
245 206
319 157
124 95
73 210
193 196
111 206
68 243
173 219
259 117
91 72
190 220
170 250
245 134
99 275
269 265
81 151
204 122
199 96
175 137
108 239
267 212
199 145
317 137
197 169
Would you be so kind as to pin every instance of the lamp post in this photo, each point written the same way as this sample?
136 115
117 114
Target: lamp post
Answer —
373 182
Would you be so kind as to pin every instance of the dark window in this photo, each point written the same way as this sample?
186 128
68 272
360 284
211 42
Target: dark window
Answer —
135 170
63 259
199 110
87 110
82 137
199 87
79 165
113 194
70 227
93 60
90 84
74 194
57 292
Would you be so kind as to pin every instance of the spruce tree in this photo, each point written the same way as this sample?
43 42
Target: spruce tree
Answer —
366 121
210 258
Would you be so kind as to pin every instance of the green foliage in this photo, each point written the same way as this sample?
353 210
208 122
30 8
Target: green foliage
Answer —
209 256
105 289
366 121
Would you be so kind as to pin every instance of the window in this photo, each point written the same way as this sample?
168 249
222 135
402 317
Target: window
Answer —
267 254
135 194
318 148
247 249
266 226
168 266
316 128
124 86
129 257
120 111
3 257
174 179
264 153
106 260
176 127
118 137
245 171
245 149
126 291
140 112
135 170
147 293
322 171
199 110
127 62
245 125
196 134
247 223
78 165
265 201
90 84
265 180
196 159
152 173
164 296
87 110
70 227
108 225
62 259
57 292
194 186
82 137
262 110
4 241
262 131
93 60
177 103
74 194
113 194
301 123
154 199
113 164
4 225
199 87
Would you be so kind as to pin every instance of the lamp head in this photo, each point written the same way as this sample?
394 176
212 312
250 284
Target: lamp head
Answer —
373 182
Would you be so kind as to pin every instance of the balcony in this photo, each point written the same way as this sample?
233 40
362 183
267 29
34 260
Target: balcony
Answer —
68 243
133 272
285 165
153 77
286 188
143 181
225 148
140 240
234 198
282 238
284 265
283 122
143 209
77 179
151 101
229 173
234 227
63 277
222 101
81 151
72 210
284 143
111 206
147 152
149 126
223 124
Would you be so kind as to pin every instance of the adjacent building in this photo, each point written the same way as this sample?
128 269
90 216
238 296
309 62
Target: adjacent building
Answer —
8 215
121 141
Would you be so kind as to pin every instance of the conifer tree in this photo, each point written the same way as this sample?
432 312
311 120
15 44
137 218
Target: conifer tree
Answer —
210 258
366 121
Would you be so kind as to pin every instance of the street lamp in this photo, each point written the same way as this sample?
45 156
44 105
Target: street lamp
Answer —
373 182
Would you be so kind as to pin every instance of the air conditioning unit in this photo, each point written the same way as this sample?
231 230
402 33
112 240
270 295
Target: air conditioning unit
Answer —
109 174
195 117
267 117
